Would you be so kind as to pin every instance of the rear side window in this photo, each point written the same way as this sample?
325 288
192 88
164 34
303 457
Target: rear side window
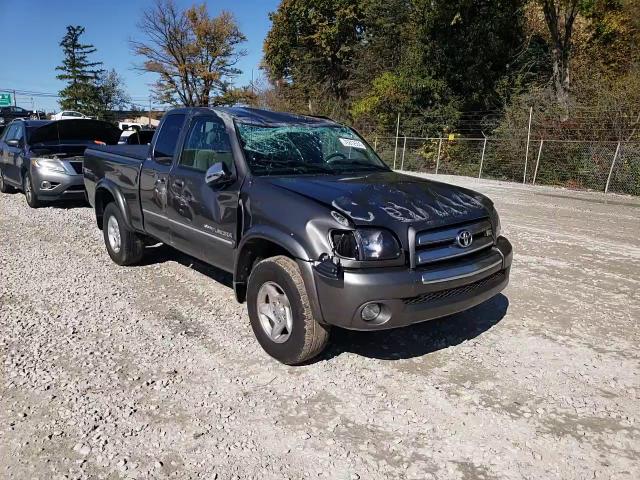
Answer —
12 130
168 137
207 143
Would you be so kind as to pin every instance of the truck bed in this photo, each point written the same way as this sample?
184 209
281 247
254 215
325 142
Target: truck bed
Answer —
117 167
132 152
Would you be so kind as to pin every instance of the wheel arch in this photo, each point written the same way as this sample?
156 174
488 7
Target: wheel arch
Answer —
107 192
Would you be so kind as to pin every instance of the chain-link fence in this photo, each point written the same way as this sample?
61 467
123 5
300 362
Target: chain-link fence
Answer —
604 166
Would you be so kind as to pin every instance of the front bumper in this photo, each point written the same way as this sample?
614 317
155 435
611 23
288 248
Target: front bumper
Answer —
410 296
62 185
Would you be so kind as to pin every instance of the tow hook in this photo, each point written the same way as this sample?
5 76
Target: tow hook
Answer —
328 266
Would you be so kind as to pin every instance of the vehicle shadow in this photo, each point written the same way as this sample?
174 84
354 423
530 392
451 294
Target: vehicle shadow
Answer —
419 339
68 204
163 253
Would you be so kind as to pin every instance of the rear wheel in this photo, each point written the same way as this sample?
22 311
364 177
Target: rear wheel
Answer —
280 314
5 187
32 197
124 246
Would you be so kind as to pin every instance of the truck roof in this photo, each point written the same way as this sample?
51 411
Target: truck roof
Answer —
257 116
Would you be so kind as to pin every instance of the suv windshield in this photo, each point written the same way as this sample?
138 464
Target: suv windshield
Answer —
304 149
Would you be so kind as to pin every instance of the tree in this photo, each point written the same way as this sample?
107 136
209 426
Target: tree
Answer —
311 44
110 94
560 16
79 72
193 54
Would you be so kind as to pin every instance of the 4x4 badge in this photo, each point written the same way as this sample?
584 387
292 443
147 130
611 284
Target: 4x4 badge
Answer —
464 238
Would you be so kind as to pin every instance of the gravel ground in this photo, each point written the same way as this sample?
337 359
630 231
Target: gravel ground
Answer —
153 371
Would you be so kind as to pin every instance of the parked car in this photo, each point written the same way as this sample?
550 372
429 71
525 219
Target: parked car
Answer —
44 158
136 137
315 228
8 114
125 126
68 114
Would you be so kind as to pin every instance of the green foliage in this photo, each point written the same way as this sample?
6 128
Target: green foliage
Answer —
368 60
81 74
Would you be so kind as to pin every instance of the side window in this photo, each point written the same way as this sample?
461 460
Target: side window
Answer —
19 134
207 143
11 132
168 138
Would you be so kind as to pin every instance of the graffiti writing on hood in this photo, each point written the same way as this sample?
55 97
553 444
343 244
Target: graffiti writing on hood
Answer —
352 209
439 207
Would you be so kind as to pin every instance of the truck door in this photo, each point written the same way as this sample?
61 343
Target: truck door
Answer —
203 218
154 177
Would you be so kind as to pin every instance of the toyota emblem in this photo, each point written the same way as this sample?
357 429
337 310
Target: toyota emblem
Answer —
464 238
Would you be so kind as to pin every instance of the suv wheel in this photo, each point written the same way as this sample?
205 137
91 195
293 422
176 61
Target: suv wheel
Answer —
27 186
4 187
280 314
124 246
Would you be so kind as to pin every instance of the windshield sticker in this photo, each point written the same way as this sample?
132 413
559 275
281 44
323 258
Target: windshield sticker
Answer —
348 142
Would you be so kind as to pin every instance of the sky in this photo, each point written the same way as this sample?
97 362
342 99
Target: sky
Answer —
32 30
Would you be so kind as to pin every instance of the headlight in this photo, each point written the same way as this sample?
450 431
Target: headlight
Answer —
366 244
51 164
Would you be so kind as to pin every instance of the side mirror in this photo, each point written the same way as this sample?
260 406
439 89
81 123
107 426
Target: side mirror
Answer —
13 143
217 175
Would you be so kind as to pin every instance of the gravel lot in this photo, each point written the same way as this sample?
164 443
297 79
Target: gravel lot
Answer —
153 371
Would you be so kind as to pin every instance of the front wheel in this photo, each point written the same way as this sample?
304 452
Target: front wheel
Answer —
280 314
124 246
32 197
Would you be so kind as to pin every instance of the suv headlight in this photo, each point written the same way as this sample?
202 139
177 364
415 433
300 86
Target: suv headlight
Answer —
366 244
51 164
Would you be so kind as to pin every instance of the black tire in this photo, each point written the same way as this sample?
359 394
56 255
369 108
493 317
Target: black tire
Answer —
307 337
131 247
27 187
5 187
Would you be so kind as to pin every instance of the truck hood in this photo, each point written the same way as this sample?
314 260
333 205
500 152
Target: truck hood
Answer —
390 199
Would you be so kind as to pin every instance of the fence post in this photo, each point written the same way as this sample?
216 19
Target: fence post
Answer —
395 151
484 147
535 172
526 155
375 143
613 162
404 148
438 159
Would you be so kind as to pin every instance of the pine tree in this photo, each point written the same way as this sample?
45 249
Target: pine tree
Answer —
81 92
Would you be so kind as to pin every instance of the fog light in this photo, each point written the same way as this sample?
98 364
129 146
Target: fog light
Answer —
371 311
45 185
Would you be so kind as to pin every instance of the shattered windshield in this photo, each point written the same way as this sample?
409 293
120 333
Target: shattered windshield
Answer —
304 149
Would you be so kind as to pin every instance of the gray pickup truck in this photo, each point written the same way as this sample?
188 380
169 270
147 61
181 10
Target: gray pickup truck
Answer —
316 229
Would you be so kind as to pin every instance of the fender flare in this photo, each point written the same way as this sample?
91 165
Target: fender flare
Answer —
116 193
272 234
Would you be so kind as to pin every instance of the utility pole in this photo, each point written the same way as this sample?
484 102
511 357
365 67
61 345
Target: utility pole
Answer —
149 111
15 104
526 155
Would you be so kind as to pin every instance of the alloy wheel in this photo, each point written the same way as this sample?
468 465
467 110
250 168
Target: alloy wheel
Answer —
274 311
113 232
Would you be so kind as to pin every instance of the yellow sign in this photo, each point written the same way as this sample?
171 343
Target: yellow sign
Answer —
452 136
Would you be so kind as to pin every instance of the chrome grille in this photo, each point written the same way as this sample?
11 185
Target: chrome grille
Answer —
455 292
437 245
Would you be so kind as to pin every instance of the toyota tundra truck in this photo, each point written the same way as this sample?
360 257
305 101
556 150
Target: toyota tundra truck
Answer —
316 230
